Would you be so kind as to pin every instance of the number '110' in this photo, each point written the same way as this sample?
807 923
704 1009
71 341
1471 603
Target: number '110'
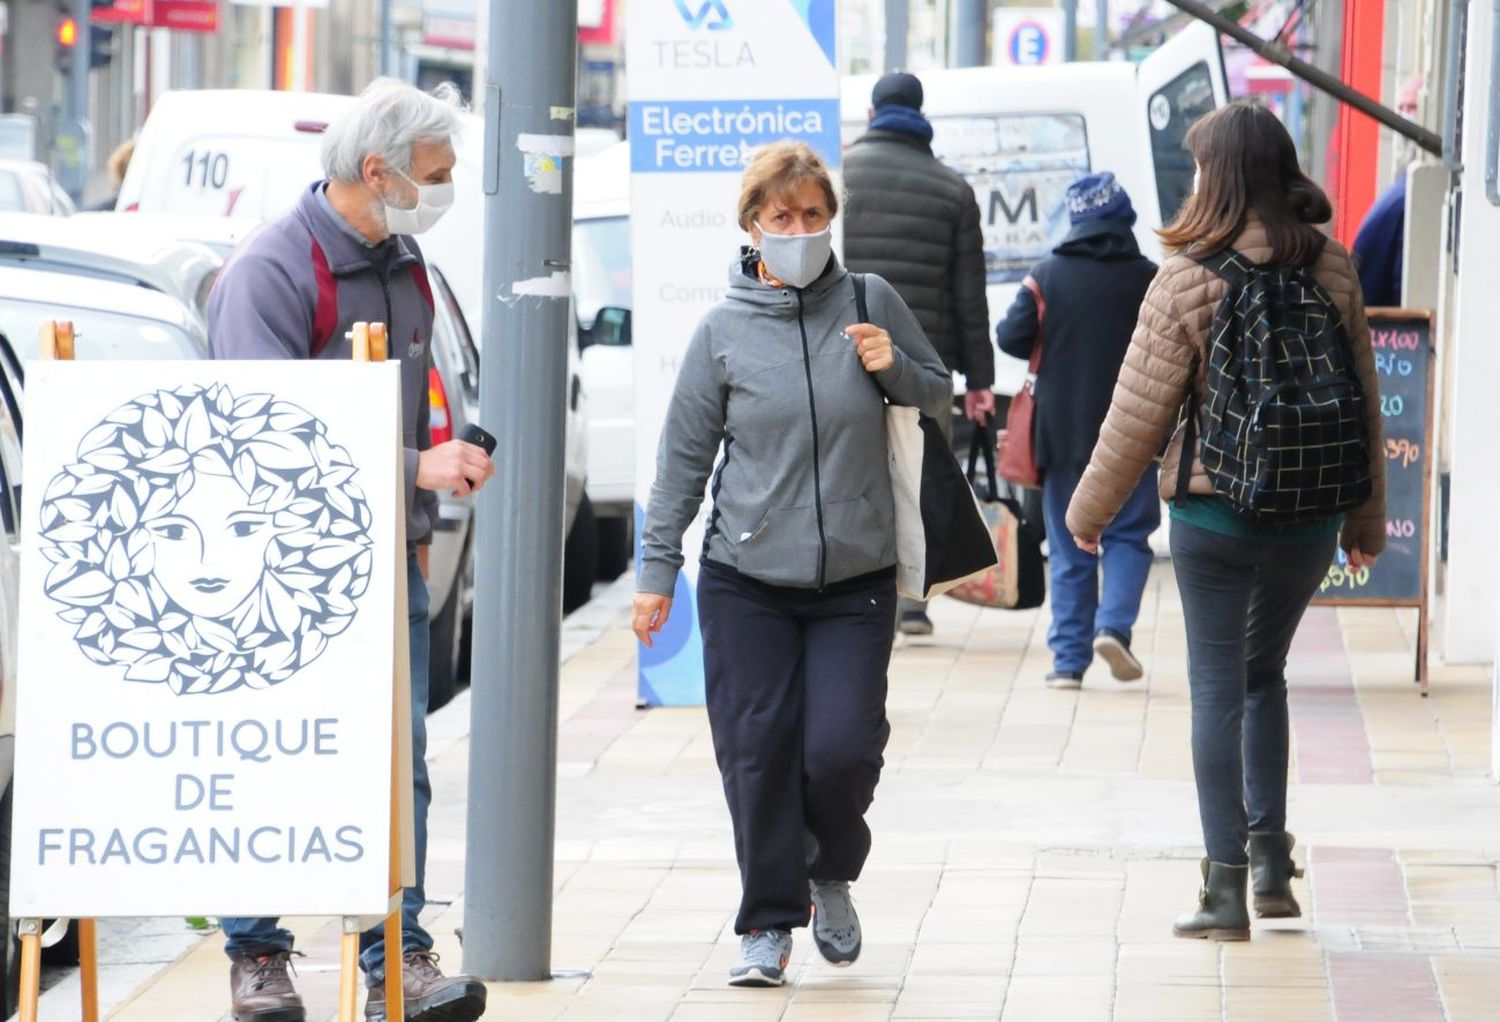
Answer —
211 169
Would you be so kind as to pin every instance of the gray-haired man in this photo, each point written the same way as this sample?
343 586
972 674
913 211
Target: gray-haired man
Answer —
344 254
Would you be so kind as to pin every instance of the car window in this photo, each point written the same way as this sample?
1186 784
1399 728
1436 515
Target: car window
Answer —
12 196
101 335
1171 111
1020 167
601 265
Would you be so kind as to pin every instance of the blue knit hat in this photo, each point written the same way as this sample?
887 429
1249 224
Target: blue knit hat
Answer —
1099 197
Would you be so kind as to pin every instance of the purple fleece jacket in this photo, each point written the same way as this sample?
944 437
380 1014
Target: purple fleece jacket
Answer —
296 287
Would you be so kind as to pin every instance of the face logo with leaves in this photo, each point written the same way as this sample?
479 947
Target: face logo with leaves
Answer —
207 541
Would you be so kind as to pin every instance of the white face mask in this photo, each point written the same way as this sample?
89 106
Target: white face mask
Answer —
796 259
432 202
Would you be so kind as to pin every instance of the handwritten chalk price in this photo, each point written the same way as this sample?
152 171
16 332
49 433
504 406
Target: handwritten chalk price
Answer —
1342 577
1403 451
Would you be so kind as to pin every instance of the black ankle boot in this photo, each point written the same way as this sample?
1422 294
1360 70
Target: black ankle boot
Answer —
1221 911
1271 873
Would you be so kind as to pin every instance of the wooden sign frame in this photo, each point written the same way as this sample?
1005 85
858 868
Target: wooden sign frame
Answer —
1423 600
370 345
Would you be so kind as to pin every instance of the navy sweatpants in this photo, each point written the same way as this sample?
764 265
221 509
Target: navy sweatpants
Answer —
796 685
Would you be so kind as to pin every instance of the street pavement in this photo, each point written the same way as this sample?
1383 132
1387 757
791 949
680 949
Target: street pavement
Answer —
1031 849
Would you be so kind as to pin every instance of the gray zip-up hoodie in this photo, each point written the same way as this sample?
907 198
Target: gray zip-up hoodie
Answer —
294 288
802 494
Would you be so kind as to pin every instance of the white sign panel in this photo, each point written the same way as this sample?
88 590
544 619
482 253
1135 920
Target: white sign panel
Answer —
1027 38
207 639
710 80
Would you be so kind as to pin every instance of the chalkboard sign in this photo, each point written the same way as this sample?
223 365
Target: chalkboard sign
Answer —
1403 360
1402 339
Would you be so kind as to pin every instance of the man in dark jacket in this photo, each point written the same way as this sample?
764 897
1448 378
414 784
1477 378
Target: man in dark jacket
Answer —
292 291
1081 303
915 222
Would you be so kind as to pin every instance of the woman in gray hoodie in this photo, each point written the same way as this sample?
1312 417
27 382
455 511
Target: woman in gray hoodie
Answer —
797 589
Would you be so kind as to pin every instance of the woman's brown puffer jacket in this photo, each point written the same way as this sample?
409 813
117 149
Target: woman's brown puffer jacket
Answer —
1166 355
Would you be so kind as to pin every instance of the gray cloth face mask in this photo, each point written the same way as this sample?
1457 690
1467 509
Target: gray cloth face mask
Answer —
796 259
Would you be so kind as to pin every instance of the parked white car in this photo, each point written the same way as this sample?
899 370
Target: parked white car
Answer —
602 301
28 187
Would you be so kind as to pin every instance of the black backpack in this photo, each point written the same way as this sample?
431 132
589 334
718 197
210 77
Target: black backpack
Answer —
1283 424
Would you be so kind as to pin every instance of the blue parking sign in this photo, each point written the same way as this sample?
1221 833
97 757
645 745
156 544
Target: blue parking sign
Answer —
1029 43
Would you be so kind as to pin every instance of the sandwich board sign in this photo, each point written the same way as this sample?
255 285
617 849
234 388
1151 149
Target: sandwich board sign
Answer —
208 637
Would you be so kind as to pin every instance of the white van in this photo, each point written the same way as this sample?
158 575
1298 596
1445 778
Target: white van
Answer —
1021 135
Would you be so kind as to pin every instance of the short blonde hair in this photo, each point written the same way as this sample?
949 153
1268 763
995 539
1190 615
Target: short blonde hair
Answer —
778 169
119 161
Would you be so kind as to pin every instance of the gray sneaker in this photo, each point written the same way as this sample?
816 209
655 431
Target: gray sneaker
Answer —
764 955
1115 650
835 924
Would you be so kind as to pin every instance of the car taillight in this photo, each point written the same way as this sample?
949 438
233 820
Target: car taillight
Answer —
439 422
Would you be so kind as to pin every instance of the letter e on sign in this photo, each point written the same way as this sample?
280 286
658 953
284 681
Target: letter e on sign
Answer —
1029 44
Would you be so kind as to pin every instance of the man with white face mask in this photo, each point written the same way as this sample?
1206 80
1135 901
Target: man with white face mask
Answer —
293 290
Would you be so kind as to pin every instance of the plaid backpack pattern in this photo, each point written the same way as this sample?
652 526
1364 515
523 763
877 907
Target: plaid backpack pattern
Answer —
1283 423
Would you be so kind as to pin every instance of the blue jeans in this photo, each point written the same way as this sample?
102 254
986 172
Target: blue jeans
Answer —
1241 602
1079 612
259 936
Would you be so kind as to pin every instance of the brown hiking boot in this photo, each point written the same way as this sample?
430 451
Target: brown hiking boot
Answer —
430 996
261 990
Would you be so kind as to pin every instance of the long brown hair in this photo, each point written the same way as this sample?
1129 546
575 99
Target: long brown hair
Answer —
1247 163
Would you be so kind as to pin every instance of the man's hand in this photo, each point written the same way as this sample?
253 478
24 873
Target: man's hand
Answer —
1088 546
873 345
979 406
457 465
650 617
1359 559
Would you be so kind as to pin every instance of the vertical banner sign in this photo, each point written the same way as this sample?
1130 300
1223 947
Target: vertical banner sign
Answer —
710 80
206 639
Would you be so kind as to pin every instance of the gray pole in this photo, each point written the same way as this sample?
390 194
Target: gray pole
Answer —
78 80
529 97
385 37
1070 29
1101 31
897 29
973 25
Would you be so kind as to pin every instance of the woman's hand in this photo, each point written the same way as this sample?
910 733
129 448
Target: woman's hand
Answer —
1359 559
651 613
1088 546
873 345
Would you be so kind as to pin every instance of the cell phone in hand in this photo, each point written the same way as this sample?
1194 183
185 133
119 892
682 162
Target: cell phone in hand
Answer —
479 437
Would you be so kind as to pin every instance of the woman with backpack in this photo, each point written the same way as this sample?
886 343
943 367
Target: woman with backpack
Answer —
1252 354
785 384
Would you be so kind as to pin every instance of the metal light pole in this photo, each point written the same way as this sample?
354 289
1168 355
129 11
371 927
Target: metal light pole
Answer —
1101 32
385 37
78 78
897 29
1070 29
529 98
973 24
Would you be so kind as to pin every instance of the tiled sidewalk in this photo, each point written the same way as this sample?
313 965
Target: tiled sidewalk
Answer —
1031 849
